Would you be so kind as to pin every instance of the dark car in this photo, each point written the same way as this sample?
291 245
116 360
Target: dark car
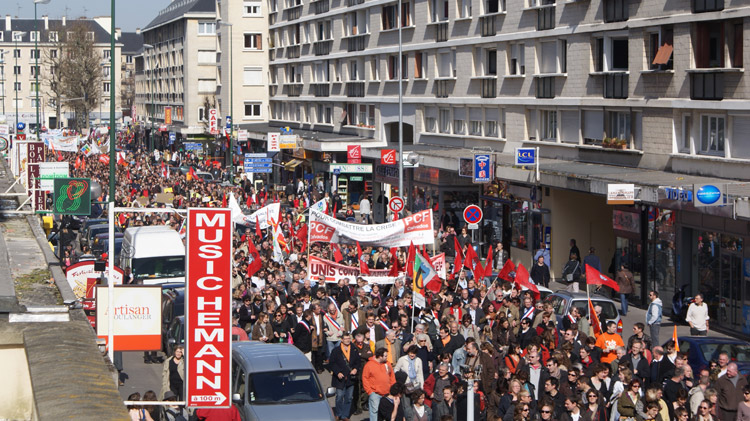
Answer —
175 335
702 349
102 246
89 222
172 306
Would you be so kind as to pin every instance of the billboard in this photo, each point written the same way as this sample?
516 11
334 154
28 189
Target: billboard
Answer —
137 317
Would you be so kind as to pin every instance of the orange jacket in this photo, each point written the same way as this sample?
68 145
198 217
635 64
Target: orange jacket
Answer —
608 343
377 377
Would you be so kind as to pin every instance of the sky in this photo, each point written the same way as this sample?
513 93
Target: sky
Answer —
129 14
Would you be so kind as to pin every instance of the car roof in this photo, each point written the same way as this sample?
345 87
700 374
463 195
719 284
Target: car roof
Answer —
712 340
261 356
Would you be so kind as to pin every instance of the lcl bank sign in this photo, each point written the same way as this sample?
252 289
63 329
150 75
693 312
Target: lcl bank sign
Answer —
208 308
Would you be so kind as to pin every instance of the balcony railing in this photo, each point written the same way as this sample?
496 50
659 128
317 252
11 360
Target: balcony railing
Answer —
356 43
321 89
354 2
323 48
322 6
707 86
273 90
545 87
294 12
441 32
443 88
355 89
489 87
293 51
616 85
488 25
546 18
293 89
616 10
700 6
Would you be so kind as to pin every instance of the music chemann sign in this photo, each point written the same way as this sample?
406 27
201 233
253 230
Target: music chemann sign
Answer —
208 308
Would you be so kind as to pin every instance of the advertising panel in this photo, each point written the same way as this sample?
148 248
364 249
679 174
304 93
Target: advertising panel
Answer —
137 322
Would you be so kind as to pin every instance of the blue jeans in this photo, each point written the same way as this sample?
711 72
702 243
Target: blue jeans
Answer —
624 304
654 328
330 346
373 404
344 401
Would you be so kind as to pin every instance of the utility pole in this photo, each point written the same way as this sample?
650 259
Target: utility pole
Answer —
36 65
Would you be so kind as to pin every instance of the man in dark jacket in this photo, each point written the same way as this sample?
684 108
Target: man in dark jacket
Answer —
302 334
637 361
540 273
730 387
344 363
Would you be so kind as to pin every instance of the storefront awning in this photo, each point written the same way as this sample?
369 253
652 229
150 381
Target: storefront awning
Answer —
292 164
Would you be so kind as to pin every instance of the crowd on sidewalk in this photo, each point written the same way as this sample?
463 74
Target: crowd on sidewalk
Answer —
391 361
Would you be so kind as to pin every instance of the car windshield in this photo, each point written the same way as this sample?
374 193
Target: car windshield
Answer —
737 352
159 267
281 387
609 311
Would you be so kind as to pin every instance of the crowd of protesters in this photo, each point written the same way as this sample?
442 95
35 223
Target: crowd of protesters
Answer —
391 361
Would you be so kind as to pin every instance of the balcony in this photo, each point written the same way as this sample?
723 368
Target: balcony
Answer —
293 51
545 87
616 10
322 6
489 87
322 48
444 87
321 89
488 25
293 89
354 2
355 89
293 12
546 18
707 86
273 90
700 6
441 31
616 85
356 43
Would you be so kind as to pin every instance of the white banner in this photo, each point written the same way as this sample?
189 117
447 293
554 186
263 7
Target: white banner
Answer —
334 272
320 205
61 143
415 228
438 263
270 211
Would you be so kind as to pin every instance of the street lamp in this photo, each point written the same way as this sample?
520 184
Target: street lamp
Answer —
151 96
230 153
36 65
2 73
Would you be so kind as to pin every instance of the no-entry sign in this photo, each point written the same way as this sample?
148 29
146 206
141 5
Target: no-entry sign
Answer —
208 308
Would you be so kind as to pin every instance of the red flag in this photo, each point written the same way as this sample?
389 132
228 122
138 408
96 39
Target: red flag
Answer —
459 250
522 278
224 201
258 232
505 272
364 270
334 210
457 265
337 252
60 157
83 164
129 175
595 323
256 264
594 277
394 263
410 261
471 258
302 236
488 264
78 163
104 159
249 200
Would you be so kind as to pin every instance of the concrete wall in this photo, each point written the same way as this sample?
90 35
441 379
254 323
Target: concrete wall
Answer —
17 402
585 217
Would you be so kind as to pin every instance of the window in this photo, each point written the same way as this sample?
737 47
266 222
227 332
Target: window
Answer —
106 54
18 103
16 70
294 73
252 109
325 114
459 120
490 65
610 54
389 16
405 14
206 28
619 57
430 119
53 36
619 125
105 71
445 120
2 36
374 68
206 57
660 48
712 135
324 30
251 8
687 127
17 36
128 59
90 36
593 127
322 73
616 10
464 8
371 116
53 53
362 117
353 70
34 36
552 57
252 76
494 6
517 59
446 64
392 67
206 85
494 123
16 53
105 86
548 125
33 102
420 65
476 121
439 10
202 115
35 54
253 42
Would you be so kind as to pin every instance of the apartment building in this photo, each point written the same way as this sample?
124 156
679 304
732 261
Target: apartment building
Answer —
651 94
243 60
132 44
18 69
177 70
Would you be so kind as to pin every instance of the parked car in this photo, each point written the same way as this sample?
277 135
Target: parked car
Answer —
95 230
101 244
562 301
175 335
172 307
543 292
89 222
277 382
702 349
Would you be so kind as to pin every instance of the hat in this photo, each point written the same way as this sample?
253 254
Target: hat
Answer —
169 395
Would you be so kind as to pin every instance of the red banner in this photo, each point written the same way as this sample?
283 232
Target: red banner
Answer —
208 308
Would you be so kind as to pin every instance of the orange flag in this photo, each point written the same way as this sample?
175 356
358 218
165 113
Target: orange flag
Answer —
674 338
595 323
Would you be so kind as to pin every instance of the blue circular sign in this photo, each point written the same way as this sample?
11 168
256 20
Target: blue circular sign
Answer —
21 125
708 194
472 214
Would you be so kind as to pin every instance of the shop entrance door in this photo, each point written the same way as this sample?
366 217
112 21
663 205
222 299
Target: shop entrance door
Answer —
730 295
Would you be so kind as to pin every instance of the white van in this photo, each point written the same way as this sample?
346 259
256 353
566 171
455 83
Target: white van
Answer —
155 255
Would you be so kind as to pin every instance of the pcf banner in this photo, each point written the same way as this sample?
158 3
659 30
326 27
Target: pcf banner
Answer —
415 228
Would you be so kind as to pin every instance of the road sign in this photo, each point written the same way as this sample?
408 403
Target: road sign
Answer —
72 196
208 306
192 146
482 168
229 122
172 137
396 204
472 214
388 156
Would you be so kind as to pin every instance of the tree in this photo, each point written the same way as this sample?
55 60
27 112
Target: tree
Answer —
80 71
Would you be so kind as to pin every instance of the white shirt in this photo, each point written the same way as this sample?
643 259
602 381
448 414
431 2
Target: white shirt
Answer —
698 315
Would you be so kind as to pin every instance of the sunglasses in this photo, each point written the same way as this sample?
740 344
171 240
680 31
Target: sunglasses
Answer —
525 410
703 407
545 412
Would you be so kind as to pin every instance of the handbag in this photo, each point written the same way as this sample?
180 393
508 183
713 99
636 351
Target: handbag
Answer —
569 277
